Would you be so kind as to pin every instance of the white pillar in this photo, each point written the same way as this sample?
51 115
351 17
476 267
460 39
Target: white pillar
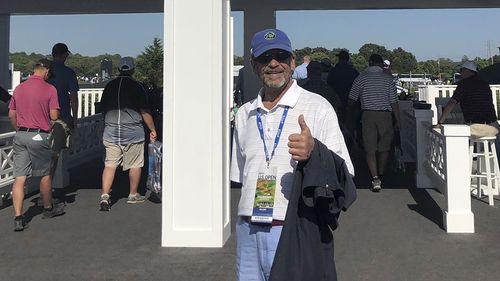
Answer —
4 51
457 214
256 18
195 208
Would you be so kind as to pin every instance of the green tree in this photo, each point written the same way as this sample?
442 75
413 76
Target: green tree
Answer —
359 62
84 66
318 56
24 62
447 67
369 49
149 65
239 60
300 53
428 66
403 61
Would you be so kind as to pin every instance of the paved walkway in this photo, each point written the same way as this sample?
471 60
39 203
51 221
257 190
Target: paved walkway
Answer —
393 235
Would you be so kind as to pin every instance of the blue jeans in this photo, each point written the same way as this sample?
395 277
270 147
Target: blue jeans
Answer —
255 249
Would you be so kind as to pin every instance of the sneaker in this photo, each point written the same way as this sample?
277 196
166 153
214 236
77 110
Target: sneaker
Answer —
135 198
376 184
19 223
104 203
55 211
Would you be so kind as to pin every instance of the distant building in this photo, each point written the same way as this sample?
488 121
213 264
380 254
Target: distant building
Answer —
106 69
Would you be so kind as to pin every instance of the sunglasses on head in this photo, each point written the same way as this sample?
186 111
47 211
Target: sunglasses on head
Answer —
280 56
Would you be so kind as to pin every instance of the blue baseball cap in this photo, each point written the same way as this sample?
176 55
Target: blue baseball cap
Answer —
268 39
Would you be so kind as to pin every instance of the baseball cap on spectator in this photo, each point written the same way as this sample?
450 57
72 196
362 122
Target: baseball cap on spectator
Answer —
343 55
126 63
470 65
59 49
43 62
269 39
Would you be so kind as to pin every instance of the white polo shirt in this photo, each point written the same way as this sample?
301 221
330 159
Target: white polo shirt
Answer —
248 157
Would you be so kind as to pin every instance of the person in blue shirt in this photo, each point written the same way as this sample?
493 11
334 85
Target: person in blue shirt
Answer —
65 81
300 72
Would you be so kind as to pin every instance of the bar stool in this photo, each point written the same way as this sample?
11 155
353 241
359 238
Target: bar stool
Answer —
491 174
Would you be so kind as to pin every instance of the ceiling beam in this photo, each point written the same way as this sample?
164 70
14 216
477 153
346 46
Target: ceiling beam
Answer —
58 7
240 5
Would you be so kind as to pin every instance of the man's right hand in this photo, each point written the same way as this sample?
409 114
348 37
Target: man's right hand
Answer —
152 136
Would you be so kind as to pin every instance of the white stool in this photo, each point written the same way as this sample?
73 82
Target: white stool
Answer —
492 176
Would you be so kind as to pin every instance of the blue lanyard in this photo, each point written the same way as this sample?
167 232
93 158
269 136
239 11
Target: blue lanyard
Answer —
278 133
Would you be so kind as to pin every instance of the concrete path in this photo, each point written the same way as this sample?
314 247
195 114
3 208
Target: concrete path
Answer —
393 235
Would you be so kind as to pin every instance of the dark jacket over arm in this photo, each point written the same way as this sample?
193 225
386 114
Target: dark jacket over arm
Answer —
322 188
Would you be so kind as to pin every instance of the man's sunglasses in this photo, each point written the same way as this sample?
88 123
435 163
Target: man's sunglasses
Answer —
280 56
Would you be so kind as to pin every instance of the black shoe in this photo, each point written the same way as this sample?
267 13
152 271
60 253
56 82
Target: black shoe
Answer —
19 223
56 210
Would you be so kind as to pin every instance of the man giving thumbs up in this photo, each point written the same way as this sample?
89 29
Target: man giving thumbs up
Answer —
262 159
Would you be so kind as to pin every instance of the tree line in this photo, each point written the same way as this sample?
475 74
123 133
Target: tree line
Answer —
149 64
401 60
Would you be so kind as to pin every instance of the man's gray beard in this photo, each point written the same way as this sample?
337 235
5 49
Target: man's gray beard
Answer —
276 85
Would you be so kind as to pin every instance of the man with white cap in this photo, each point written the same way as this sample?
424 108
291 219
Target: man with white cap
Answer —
387 67
124 105
264 161
475 98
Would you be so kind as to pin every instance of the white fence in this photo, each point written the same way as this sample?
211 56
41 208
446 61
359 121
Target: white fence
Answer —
430 93
6 159
86 101
442 162
86 144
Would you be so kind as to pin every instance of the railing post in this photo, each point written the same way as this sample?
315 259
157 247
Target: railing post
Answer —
457 214
423 122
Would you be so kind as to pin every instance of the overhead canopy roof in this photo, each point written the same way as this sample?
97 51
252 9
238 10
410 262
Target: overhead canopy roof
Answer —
56 7
364 4
19 7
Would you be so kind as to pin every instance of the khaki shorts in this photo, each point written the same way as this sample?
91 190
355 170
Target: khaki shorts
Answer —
129 155
378 132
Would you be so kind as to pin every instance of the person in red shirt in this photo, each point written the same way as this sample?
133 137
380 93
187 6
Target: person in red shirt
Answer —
34 103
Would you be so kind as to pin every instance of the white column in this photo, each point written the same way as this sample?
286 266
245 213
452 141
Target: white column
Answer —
256 18
4 51
457 214
195 208
423 119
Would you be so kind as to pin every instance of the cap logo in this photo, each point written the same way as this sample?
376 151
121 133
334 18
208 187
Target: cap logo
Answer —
270 35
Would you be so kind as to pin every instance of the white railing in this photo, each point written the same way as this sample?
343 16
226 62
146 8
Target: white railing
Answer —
6 159
446 167
430 93
86 144
435 158
86 101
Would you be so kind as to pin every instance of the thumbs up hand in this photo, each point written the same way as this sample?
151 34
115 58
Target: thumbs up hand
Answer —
301 145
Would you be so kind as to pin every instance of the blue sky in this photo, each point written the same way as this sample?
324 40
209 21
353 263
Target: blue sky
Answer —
428 34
